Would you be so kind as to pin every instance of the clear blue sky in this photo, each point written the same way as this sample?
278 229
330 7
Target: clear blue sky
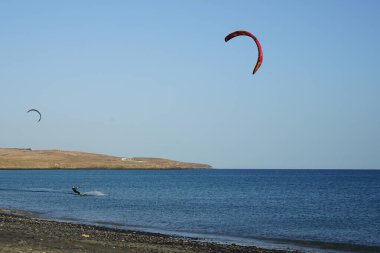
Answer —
156 79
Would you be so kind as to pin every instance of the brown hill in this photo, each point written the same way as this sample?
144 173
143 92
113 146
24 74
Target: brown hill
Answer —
15 158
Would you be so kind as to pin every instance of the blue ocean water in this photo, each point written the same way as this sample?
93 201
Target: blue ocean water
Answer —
326 209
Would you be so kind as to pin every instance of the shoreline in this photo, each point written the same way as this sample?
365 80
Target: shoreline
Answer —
24 231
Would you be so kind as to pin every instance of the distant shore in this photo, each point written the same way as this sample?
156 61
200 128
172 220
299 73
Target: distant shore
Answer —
26 158
22 231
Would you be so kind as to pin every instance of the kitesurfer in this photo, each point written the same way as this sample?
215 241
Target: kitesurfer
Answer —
74 188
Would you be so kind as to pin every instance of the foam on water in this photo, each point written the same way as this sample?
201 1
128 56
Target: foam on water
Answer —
94 193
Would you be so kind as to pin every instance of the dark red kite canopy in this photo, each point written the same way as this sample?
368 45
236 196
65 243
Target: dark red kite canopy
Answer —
260 56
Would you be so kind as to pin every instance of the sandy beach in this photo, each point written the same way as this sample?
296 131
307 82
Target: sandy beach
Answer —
22 231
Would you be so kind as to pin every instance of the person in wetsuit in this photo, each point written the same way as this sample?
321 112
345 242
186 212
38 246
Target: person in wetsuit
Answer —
74 188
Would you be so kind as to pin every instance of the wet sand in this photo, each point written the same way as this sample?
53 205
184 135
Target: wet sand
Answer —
22 231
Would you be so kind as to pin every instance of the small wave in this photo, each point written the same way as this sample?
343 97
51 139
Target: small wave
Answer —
94 193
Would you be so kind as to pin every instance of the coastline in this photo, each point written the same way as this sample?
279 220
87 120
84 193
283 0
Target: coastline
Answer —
22 231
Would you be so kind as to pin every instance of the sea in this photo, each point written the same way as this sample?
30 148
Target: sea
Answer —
308 210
